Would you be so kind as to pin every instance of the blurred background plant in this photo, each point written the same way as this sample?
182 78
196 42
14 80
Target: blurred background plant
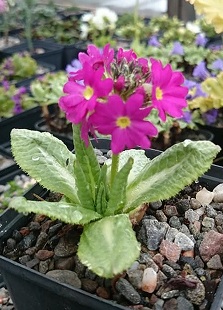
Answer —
17 67
99 26
8 20
14 100
45 92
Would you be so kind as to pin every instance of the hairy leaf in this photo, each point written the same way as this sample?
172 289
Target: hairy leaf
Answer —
117 197
170 172
83 188
66 212
108 246
87 159
140 160
102 191
46 159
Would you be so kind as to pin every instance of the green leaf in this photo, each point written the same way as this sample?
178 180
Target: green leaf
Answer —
108 246
117 199
66 212
140 161
46 159
102 191
87 159
170 172
83 189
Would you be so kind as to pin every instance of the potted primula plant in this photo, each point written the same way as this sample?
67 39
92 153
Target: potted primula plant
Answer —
110 95
21 68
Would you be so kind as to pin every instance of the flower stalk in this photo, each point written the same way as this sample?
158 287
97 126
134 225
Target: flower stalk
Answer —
114 167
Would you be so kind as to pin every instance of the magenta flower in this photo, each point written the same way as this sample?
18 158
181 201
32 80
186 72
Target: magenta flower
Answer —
168 94
129 55
124 121
81 99
97 58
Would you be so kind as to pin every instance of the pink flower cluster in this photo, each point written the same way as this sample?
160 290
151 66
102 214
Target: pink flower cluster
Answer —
114 93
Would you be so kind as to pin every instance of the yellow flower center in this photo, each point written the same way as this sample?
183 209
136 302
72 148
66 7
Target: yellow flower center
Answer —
159 94
88 92
123 122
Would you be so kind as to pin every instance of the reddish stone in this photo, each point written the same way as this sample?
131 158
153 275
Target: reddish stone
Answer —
103 292
45 226
211 245
170 250
189 253
158 259
44 254
24 231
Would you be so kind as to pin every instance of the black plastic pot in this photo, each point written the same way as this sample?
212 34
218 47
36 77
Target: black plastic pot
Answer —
25 119
28 287
52 55
217 139
67 138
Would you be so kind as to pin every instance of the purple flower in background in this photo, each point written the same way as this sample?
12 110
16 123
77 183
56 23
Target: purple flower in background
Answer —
187 118
200 71
177 49
74 66
190 84
5 84
217 65
17 98
153 41
201 40
210 116
199 92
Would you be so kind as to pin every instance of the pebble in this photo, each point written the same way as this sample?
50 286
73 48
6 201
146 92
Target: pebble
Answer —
152 232
215 263
170 294
89 285
195 204
184 242
171 234
65 276
174 222
197 294
192 216
170 250
128 291
204 196
169 271
211 245
184 304
182 206
135 278
170 210
208 222
218 193
149 280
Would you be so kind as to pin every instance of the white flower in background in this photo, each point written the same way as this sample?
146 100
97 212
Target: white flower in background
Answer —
86 17
193 27
84 28
104 18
